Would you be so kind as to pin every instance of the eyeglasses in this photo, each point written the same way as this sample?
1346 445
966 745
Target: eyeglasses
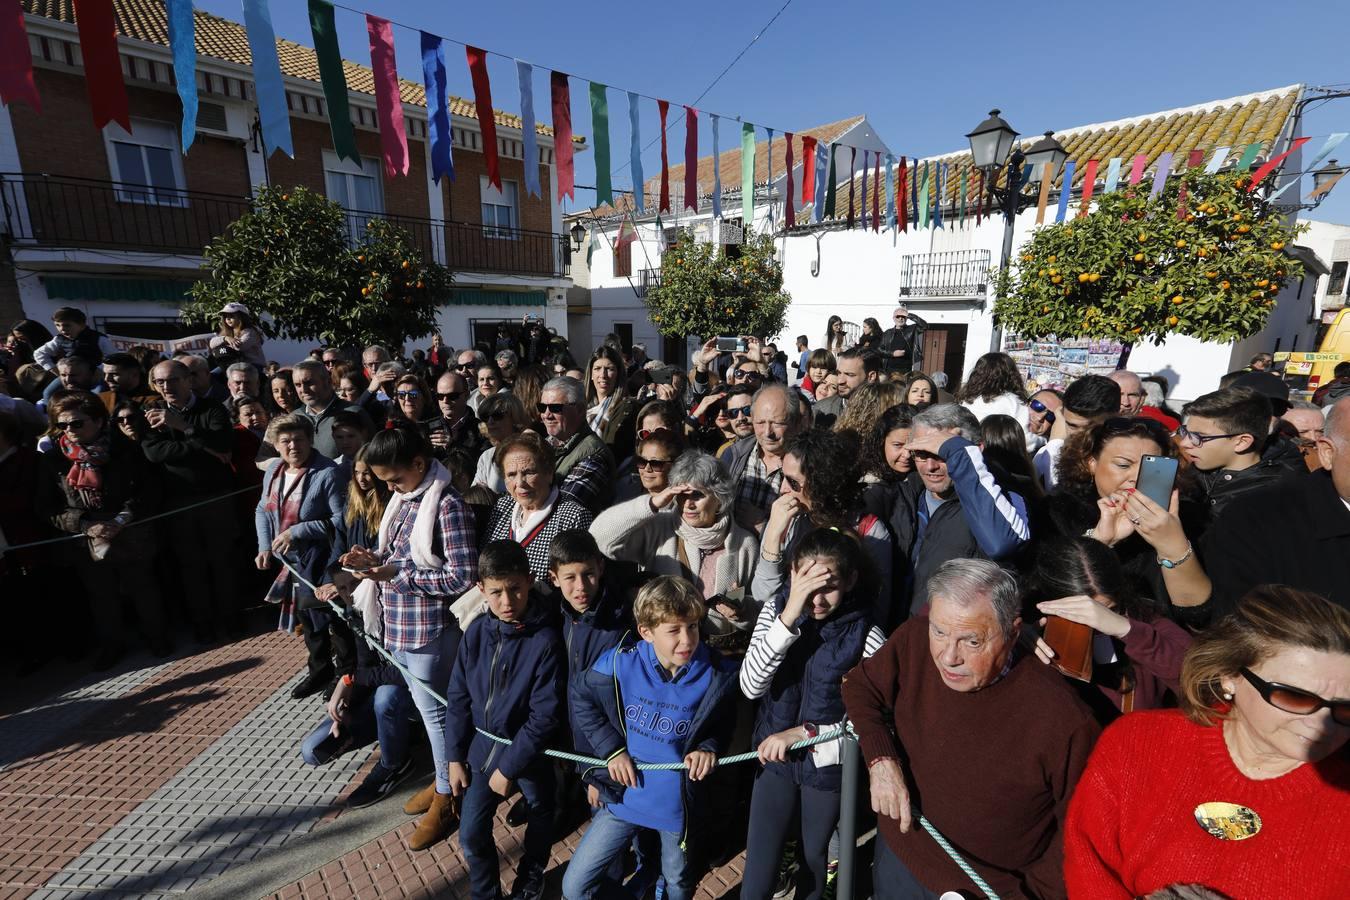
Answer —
1296 700
735 412
643 462
71 424
556 408
407 395
1185 434
450 397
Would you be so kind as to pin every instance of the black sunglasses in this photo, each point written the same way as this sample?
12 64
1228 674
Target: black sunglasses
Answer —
735 412
643 462
73 423
555 408
450 397
1296 700
129 417
464 367
407 395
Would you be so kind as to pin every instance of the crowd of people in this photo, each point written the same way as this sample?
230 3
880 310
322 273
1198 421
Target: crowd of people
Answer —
1101 644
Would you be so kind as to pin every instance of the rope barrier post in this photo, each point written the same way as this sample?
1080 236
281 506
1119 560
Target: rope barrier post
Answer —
848 817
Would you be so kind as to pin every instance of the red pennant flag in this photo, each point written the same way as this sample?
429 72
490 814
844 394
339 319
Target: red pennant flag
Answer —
876 194
790 203
388 102
808 170
663 106
562 134
691 158
1193 159
102 65
1089 179
1274 164
901 192
487 121
16 60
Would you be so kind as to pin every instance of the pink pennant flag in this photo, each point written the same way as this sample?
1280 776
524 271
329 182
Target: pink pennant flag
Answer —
487 119
561 97
1274 164
1089 180
16 60
388 103
1137 168
691 158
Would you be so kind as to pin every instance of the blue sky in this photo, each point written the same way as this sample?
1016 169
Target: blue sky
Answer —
924 74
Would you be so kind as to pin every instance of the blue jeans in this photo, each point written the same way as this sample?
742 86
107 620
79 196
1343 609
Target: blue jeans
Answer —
431 664
588 873
475 829
891 879
382 715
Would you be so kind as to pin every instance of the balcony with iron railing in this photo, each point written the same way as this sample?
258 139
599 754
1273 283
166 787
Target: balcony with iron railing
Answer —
648 279
83 213
952 273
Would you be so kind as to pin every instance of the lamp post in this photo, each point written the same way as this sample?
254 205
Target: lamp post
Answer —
991 147
578 235
1329 172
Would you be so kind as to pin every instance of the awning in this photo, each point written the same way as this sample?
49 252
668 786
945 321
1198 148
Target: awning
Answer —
465 297
148 290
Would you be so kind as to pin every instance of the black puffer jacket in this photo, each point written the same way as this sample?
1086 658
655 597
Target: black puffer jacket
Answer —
1220 487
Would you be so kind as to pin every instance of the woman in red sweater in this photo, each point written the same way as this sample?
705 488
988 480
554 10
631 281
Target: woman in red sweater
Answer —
1245 790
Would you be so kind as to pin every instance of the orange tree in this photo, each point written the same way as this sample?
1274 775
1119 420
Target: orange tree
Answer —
1207 264
706 292
292 258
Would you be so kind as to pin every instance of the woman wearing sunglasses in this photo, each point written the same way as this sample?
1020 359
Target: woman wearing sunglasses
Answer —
503 417
1242 790
1095 497
108 486
413 402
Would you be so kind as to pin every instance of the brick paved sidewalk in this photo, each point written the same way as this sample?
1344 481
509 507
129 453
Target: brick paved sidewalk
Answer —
152 782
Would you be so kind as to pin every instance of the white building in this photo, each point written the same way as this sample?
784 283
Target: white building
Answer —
944 274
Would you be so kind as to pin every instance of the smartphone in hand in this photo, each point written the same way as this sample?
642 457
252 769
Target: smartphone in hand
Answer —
1157 477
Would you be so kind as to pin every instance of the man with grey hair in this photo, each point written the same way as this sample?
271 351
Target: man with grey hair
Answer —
242 380
956 508
584 467
1295 531
1308 420
468 362
1131 392
991 740
314 386
756 462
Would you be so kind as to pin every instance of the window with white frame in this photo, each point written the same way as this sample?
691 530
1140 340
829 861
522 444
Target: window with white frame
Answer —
357 188
501 209
146 164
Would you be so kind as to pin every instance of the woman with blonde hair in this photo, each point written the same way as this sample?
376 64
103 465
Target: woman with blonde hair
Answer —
1243 789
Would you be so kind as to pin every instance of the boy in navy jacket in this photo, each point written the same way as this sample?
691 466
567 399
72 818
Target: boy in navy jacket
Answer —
668 699
508 679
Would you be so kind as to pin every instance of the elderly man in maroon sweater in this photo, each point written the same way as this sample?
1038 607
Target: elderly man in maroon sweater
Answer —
958 724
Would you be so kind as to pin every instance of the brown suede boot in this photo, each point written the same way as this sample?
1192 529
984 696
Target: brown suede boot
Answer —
420 802
436 825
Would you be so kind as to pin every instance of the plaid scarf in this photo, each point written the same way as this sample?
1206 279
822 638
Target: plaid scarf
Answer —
86 470
285 507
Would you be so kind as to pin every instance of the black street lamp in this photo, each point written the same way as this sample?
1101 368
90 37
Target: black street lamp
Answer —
991 146
578 235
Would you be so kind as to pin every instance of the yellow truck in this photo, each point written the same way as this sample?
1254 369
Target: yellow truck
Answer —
1308 371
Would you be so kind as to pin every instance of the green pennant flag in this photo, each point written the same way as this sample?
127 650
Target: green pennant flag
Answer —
829 184
924 205
963 197
604 193
1248 156
747 175
590 247
324 31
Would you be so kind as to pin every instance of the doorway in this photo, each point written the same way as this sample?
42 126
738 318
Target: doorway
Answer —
944 350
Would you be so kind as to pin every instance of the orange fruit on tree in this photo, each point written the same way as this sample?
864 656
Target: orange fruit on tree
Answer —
1083 277
1094 277
1139 257
1056 279
1143 238
1211 274
1050 258
1243 229
1181 242
1277 245
1223 285
1264 282
1172 320
1178 300
1202 253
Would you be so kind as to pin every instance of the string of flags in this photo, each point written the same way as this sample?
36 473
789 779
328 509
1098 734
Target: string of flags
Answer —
914 190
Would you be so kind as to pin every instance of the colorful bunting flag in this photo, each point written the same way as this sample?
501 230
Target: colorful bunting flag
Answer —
769 155
830 188
939 177
663 107
1217 160
1164 169
1047 176
16 60
1137 167
182 44
1112 175
901 191
1089 183
388 102
979 197
925 208
876 193
635 151
818 194
1273 164
1065 190
487 120
717 171
691 158
528 131
604 191
267 85
103 66
1248 156
914 193
1327 186
1333 141
561 97
323 29
789 196
438 114
890 192
852 176
962 222
747 174
862 207
808 170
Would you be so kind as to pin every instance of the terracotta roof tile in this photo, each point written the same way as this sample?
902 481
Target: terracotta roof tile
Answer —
219 38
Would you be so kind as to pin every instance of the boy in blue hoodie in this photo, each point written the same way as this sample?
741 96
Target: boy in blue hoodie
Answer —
508 679
669 699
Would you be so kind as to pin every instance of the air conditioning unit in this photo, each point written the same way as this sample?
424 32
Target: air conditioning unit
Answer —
211 118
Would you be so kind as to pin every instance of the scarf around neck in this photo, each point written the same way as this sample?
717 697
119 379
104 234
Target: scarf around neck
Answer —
85 476
712 537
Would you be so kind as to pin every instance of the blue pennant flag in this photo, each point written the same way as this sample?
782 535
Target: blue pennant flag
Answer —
717 173
438 115
1066 188
635 151
525 75
181 28
273 112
